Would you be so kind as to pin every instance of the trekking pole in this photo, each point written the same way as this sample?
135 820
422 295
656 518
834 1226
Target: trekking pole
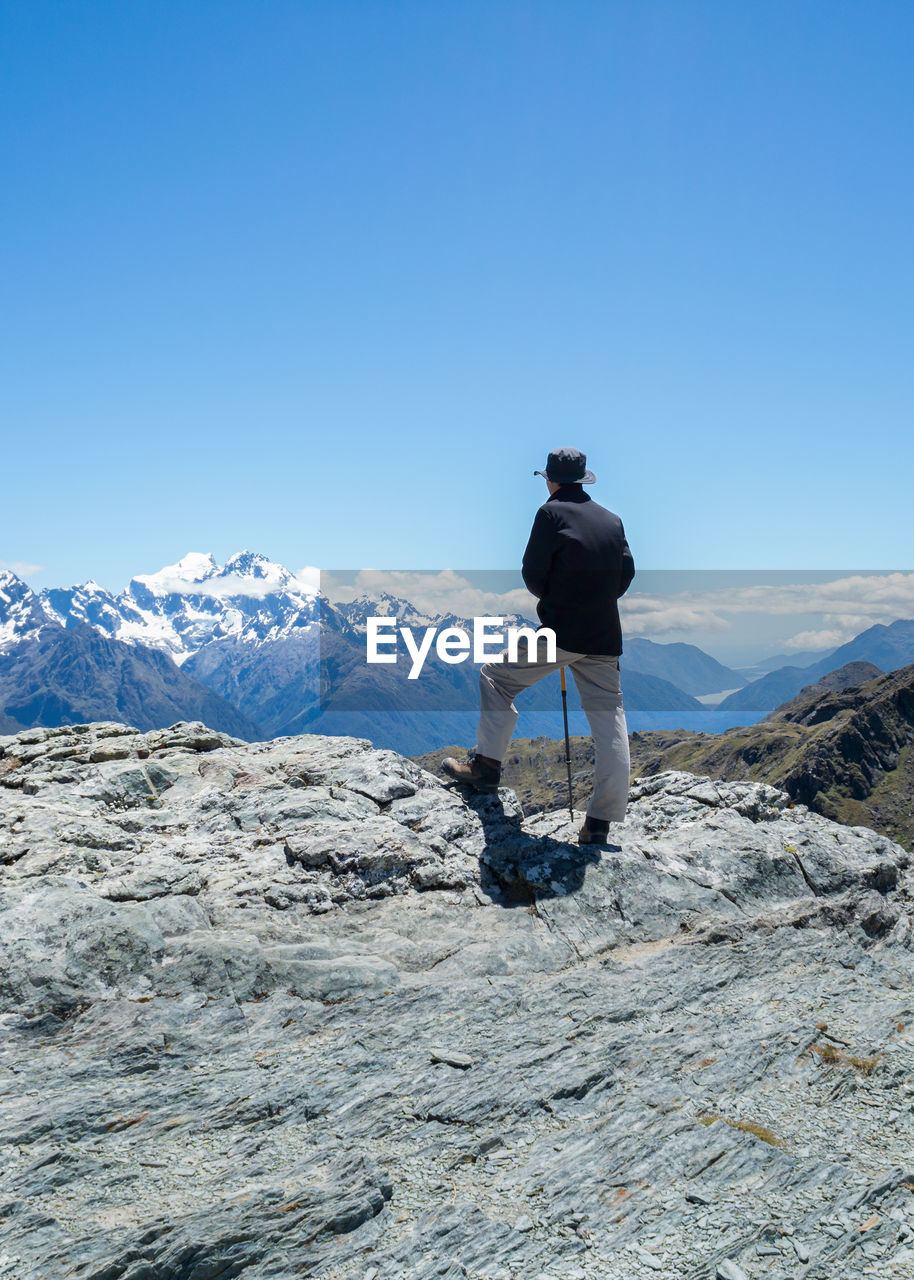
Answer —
567 745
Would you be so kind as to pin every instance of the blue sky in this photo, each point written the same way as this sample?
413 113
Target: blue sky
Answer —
327 280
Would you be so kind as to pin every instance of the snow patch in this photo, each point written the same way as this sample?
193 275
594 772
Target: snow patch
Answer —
191 570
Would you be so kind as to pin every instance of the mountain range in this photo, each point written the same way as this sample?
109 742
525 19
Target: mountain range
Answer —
193 604
240 646
887 647
250 647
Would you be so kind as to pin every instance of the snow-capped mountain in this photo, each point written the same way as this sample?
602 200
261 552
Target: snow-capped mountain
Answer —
356 612
189 605
52 674
88 603
21 614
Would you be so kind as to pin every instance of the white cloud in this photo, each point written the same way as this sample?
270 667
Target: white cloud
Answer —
825 639
162 584
849 605
22 568
838 629
656 615
434 593
230 585
308 579
235 584
652 617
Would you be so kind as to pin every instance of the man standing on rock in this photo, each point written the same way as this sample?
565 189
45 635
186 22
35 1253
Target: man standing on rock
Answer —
577 564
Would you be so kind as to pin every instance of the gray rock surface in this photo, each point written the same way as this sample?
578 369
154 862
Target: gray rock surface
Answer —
297 1008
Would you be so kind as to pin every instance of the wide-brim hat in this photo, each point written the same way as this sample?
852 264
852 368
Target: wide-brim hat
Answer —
567 466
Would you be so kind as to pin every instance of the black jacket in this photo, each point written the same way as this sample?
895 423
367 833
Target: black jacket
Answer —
577 564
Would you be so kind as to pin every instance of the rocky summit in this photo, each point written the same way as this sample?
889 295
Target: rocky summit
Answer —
296 1008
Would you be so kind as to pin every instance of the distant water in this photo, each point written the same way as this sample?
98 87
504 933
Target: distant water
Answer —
708 721
415 733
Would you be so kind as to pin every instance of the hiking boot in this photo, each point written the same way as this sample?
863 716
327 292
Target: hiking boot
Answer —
594 831
480 772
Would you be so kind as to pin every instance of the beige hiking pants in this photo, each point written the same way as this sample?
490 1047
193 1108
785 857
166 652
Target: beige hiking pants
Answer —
597 680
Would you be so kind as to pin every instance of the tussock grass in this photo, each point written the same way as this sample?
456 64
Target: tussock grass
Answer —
760 1131
832 1056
